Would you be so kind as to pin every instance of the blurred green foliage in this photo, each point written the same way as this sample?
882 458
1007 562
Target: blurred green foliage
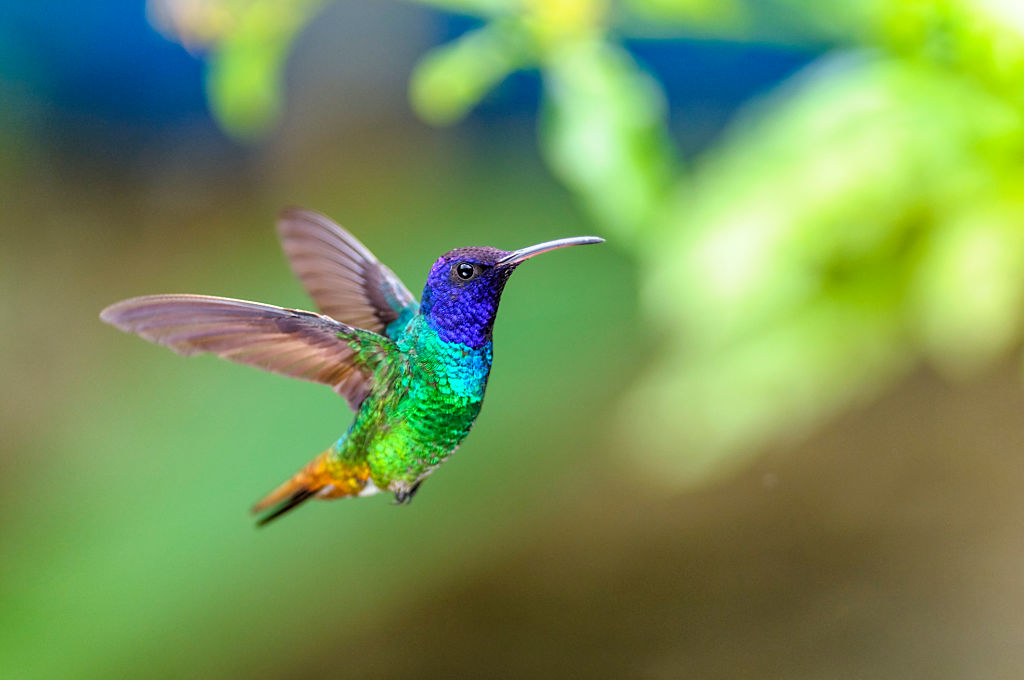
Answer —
244 72
864 217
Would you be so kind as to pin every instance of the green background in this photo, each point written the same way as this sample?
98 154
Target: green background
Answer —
771 428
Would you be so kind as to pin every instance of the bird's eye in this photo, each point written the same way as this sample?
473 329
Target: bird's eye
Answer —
465 271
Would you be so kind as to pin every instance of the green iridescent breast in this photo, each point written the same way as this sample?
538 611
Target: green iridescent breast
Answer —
435 393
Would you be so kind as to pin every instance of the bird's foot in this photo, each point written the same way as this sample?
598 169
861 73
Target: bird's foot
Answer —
405 497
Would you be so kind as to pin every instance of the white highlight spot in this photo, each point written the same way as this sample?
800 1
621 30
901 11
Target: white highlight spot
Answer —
368 490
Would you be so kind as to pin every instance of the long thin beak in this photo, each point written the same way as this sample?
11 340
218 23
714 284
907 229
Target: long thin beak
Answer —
517 256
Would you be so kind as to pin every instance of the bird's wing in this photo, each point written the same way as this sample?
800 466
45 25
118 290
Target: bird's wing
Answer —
342 276
286 341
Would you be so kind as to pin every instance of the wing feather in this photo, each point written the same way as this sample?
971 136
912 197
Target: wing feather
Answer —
342 276
286 341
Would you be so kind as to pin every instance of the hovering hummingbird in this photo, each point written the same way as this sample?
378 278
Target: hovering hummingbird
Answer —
414 373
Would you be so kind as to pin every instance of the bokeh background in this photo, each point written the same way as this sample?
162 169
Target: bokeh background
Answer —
772 428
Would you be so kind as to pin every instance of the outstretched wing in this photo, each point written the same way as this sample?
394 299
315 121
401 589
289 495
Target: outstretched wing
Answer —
342 276
286 341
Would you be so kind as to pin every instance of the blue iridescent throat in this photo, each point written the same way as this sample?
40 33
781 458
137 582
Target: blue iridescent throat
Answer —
460 307
466 319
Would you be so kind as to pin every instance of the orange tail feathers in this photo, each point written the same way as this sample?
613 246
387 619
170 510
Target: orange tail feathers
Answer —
325 477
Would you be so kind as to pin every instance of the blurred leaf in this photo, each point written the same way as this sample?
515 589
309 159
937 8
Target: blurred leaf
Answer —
244 80
556 23
983 38
704 13
970 286
474 7
604 133
699 414
451 79
194 23
794 267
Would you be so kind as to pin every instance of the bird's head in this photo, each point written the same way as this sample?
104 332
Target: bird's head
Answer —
460 299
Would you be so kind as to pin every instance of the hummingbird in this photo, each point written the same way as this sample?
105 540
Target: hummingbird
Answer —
413 373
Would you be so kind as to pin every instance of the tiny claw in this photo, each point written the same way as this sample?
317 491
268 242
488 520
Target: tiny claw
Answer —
405 497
